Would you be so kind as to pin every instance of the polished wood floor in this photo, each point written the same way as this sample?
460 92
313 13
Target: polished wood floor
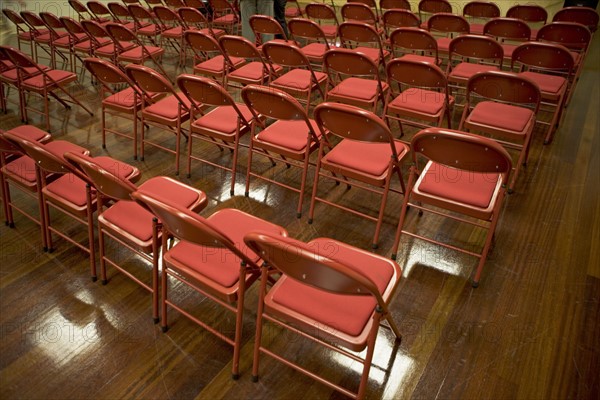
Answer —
530 331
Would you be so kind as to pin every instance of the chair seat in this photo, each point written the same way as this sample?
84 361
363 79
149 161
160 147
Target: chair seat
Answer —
68 190
12 74
30 132
314 51
369 158
220 266
550 84
252 71
40 81
60 147
227 19
298 79
330 30
476 29
134 220
359 88
468 189
464 70
138 54
22 171
508 50
418 57
419 100
221 120
501 116
149 30
167 108
332 312
108 50
287 135
83 46
443 44
372 53
215 65
175 32
123 99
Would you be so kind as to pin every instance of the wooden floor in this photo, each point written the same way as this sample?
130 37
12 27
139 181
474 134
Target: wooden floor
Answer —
530 331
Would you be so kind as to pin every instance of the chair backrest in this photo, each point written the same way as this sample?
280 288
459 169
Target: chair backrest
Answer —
140 14
582 15
15 18
237 46
546 56
201 42
202 90
413 39
416 74
353 33
264 24
223 7
167 16
448 23
572 35
400 18
43 158
433 7
505 87
358 12
348 62
306 29
394 5
304 264
51 21
528 12
79 8
187 225
99 10
276 104
120 33
481 9
286 55
476 48
119 12
193 18
150 82
33 20
20 59
354 123
461 150
320 11
108 74
175 4
507 29
94 30
73 27
107 182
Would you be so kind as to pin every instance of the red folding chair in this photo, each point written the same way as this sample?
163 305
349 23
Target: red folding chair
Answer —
24 34
326 17
295 11
338 300
314 39
80 9
173 31
427 8
509 32
353 78
478 13
223 125
367 156
81 43
211 258
535 15
162 106
102 43
286 134
298 77
18 170
265 28
418 96
414 44
60 40
363 38
464 174
551 66
124 222
46 83
445 27
504 106
121 15
40 35
359 12
146 25
582 15
385 5
209 58
100 12
225 15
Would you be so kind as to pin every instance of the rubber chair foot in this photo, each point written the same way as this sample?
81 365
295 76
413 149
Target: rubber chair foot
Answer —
51 250
254 378
231 192
298 215
310 220
104 147
235 377
104 282
164 328
474 284
155 320
374 246
45 249
94 278
393 257
246 193
189 175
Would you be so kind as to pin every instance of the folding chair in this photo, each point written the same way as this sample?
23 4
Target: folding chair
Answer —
130 225
298 77
367 156
100 12
40 35
60 39
353 78
504 106
146 26
363 38
478 13
45 83
139 53
326 17
173 27
310 33
551 67
256 70
196 21
509 32
359 12
69 194
102 43
211 258
223 125
338 301
535 15
80 9
469 55
295 11
81 43
446 27
286 134
397 18
414 44
174 4
18 170
225 15
421 97
121 15
427 8
162 107
582 15
24 34
266 29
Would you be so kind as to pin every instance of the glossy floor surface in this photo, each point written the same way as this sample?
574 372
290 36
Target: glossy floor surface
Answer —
530 331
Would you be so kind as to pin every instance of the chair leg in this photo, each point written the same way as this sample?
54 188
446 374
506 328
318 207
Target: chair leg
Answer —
259 321
155 258
163 299
236 145
102 256
239 321
302 185
488 242
91 240
364 380
411 180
